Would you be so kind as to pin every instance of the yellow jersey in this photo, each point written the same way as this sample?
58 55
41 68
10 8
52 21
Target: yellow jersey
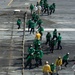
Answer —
58 62
47 68
38 36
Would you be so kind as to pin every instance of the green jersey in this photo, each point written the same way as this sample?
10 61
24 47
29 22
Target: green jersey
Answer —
37 43
55 33
33 24
30 57
39 21
31 50
41 29
31 7
18 22
48 36
59 38
53 67
66 57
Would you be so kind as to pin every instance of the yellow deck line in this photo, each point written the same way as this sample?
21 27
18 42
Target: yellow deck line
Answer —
10 2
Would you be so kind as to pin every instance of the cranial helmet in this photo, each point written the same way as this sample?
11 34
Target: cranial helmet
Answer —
46 62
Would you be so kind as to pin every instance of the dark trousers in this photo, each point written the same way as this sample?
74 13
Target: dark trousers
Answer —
18 26
31 12
48 42
39 25
65 62
38 62
50 11
59 45
46 10
42 11
54 36
41 35
52 48
35 20
32 30
28 27
28 63
53 10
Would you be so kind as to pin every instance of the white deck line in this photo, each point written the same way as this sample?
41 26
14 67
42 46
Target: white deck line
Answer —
10 2
46 29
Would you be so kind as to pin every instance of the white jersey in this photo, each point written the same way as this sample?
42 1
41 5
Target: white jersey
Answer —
35 8
39 7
